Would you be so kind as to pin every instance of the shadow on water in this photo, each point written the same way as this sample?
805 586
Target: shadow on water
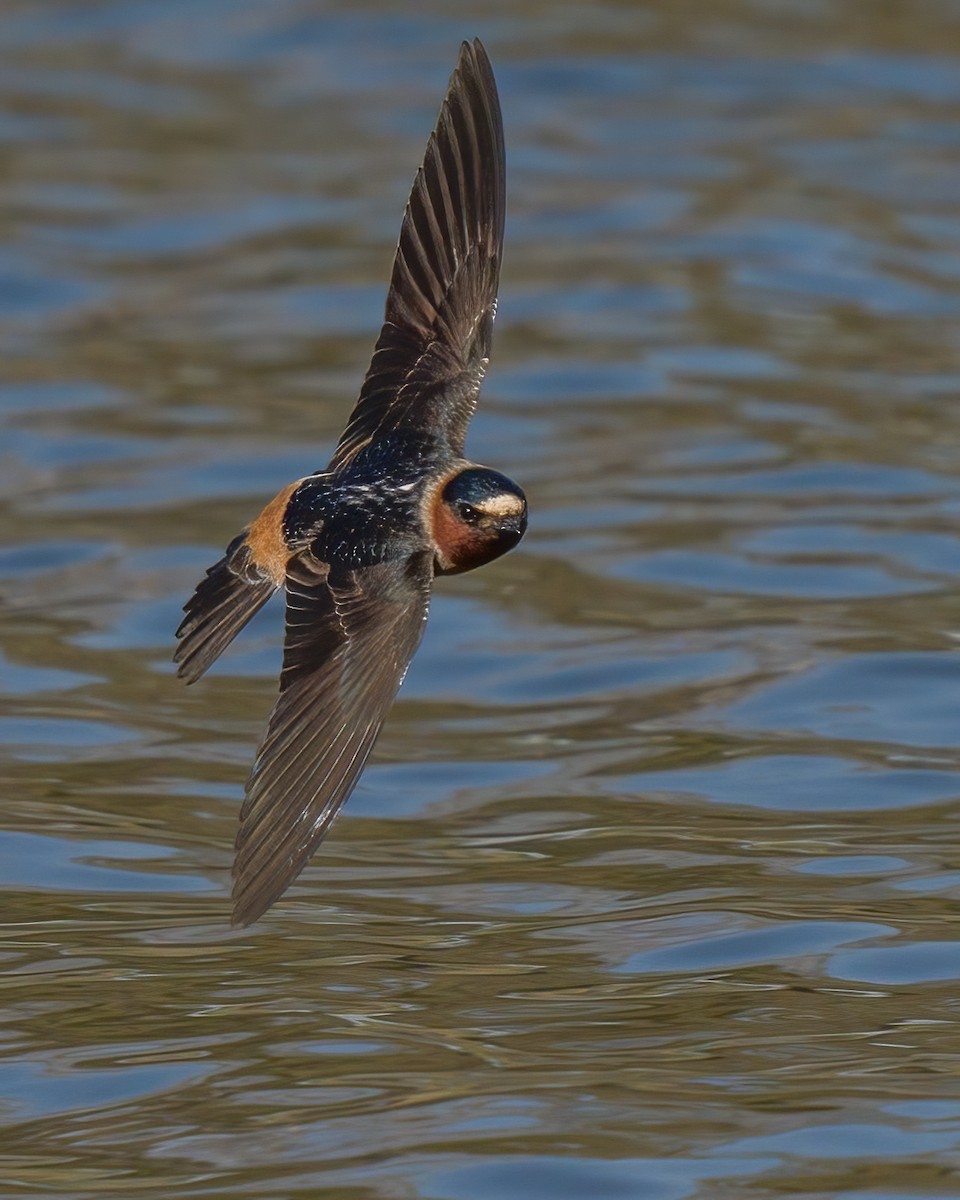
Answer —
651 888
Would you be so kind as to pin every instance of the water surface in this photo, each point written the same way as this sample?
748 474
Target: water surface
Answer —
650 891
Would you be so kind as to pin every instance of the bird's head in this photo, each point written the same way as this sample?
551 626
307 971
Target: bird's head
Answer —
478 515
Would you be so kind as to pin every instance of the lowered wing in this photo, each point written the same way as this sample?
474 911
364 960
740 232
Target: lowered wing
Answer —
350 635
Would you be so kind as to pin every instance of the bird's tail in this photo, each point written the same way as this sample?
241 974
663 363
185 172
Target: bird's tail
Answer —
230 594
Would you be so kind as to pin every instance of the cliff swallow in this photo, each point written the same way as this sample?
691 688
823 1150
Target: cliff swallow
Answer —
356 546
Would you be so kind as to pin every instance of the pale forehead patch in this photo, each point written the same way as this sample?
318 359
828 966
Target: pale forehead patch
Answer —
502 505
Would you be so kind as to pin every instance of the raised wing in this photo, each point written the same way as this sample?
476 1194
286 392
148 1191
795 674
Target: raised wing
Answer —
433 349
350 636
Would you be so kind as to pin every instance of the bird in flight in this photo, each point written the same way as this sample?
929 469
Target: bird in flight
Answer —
356 546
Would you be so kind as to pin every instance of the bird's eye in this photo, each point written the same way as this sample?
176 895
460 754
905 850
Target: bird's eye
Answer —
466 511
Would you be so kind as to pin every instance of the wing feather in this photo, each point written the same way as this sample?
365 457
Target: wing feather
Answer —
350 636
228 596
429 361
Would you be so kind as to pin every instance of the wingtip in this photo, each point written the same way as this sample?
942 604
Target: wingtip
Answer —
190 665
249 904
181 660
473 59
239 920
479 50
242 911
475 54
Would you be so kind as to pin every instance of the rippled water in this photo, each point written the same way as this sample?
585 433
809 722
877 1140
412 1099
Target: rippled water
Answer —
651 890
